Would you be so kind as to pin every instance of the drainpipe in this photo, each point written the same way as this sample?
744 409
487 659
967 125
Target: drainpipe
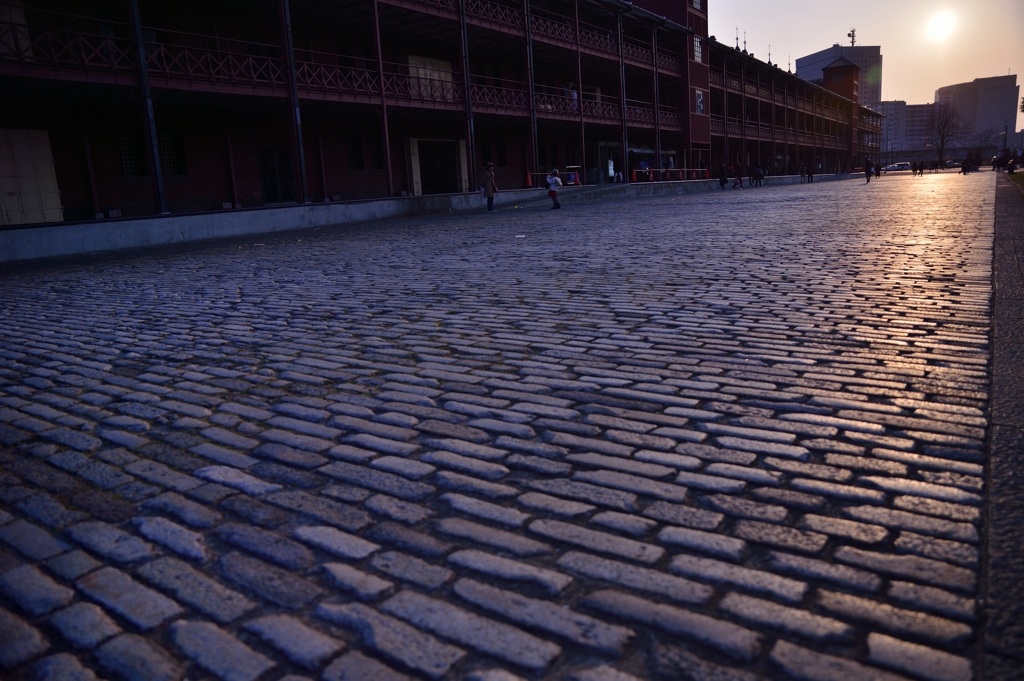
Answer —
153 146
470 130
579 100
622 94
286 19
383 100
532 87
657 99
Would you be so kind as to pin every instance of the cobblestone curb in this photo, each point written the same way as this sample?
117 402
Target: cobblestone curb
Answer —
1004 560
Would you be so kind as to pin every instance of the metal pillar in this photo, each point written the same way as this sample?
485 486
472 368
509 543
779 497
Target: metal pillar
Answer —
286 27
470 131
579 100
152 145
657 100
383 99
92 176
743 119
622 94
534 163
775 153
725 104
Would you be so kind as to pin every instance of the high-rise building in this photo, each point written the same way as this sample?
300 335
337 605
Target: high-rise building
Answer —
906 127
920 121
894 125
985 105
868 58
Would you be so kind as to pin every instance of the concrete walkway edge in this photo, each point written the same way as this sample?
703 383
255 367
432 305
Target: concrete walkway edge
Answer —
31 243
1003 568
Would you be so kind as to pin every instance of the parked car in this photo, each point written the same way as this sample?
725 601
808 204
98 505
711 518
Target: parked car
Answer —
953 164
902 165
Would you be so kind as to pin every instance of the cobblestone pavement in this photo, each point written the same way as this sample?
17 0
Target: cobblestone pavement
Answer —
727 436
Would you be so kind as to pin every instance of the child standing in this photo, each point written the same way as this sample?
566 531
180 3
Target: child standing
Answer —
554 182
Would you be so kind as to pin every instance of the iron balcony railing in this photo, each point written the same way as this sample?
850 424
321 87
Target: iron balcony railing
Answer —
74 47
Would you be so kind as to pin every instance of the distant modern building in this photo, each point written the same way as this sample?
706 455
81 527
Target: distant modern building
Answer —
894 125
984 104
906 127
920 120
868 58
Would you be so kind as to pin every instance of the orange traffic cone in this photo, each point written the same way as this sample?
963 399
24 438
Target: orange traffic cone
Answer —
529 182
632 176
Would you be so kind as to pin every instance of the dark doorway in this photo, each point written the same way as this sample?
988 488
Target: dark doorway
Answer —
439 167
276 176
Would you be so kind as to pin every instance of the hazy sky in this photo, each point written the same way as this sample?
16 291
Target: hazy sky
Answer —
926 44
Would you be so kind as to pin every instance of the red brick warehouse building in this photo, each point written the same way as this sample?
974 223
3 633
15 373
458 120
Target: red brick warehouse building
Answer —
234 104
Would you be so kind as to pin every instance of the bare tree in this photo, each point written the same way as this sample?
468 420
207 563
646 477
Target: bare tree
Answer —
947 129
982 144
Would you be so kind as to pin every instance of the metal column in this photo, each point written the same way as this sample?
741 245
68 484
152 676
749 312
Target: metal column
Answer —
152 144
743 119
286 20
657 100
579 100
470 131
383 99
622 95
725 104
534 163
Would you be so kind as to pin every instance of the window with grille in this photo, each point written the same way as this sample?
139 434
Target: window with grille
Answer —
697 4
698 49
133 159
699 102
172 152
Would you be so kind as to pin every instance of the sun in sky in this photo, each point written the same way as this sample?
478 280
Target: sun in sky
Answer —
940 26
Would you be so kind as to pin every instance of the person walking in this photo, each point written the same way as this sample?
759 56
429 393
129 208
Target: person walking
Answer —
868 170
758 176
737 182
723 177
913 168
878 171
803 174
554 182
810 174
489 186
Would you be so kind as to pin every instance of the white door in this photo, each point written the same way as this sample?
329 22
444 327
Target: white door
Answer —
28 182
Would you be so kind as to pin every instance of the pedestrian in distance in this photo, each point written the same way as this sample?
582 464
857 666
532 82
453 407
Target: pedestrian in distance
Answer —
869 170
803 173
723 177
758 176
737 180
913 168
489 186
878 171
554 182
810 174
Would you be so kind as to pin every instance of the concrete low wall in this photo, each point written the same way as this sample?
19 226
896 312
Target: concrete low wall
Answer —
49 241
